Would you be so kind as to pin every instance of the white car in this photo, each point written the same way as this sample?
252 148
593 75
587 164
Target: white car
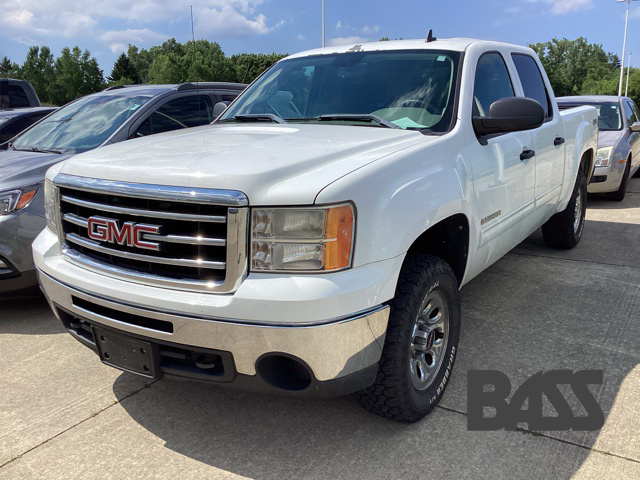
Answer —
313 240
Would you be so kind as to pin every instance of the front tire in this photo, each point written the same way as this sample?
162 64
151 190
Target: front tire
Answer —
421 342
564 230
619 194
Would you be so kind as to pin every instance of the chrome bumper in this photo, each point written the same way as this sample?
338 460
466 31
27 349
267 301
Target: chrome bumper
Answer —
332 350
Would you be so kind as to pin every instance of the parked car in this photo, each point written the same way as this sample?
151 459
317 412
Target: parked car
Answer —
312 241
17 94
12 122
618 155
111 116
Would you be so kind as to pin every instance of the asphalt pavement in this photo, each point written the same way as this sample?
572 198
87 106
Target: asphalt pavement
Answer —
64 415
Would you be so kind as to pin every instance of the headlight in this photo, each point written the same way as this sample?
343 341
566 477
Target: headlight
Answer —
302 239
603 157
50 193
13 200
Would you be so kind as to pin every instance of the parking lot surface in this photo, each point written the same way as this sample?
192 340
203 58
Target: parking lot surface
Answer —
64 415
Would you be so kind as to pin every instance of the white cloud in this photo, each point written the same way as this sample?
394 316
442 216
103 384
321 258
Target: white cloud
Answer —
339 25
368 30
346 41
226 21
54 18
119 39
560 7
300 37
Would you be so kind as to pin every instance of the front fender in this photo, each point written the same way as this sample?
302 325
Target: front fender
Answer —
401 196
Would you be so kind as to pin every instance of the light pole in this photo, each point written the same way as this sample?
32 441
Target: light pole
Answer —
624 44
626 90
323 23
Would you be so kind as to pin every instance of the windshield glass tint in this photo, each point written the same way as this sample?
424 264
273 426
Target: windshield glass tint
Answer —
81 125
411 89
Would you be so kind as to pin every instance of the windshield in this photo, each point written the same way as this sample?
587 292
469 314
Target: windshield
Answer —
409 89
82 125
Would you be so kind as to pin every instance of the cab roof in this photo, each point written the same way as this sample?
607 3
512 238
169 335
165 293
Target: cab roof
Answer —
451 44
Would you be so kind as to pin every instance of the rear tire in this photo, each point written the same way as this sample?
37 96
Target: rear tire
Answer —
564 230
421 342
619 194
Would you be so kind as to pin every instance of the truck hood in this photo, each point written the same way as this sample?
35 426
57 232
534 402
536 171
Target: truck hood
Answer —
271 164
20 169
609 138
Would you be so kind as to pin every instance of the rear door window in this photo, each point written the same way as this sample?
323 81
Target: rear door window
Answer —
492 83
532 81
183 112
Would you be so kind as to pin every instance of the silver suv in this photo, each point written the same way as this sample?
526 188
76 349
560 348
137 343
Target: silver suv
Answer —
114 115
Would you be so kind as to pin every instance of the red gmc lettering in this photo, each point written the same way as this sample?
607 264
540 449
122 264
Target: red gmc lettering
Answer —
97 228
107 230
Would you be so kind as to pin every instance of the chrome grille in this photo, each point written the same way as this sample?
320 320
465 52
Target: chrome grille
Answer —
202 233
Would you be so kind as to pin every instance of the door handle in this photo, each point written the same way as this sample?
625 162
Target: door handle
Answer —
558 141
527 154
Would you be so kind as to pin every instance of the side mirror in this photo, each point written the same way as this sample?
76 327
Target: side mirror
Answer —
219 107
511 114
635 127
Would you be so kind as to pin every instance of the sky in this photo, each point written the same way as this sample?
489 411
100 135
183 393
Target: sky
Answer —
106 27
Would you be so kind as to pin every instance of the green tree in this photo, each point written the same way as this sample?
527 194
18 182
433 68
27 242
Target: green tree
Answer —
38 70
568 62
167 68
248 66
76 73
141 61
6 67
123 68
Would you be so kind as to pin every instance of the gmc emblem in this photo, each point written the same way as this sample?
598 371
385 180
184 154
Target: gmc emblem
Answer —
107 230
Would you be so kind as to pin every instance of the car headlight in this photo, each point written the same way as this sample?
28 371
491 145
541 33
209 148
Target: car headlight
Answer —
50 194
309 239
13 200
603 157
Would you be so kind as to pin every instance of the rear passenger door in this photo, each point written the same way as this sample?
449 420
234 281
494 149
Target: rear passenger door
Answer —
177 113
548 140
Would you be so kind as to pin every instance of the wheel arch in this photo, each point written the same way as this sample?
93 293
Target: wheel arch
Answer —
448 239
587 164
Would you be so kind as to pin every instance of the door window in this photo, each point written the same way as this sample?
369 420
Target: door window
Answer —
532 82
631 117
492 83
180 113
636 112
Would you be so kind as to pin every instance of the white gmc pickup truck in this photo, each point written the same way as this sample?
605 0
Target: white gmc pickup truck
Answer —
312 241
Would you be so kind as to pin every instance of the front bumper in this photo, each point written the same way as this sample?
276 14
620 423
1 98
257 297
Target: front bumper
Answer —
613 174
17 233
330 359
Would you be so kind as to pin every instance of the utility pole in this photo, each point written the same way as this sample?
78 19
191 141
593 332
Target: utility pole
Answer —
624 45
626 90
323 23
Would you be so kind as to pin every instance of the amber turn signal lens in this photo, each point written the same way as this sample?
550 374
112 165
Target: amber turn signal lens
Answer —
25 198
339 238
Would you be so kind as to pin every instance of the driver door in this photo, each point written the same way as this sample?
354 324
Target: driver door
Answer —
503 167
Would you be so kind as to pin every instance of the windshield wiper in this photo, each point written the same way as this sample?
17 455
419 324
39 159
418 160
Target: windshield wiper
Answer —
358 117
260 117
44 150
33 149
